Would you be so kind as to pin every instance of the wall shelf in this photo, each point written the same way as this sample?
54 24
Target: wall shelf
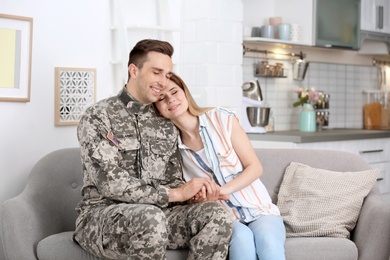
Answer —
262 76
269 40
313 53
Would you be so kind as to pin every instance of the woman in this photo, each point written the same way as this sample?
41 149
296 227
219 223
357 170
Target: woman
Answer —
214 146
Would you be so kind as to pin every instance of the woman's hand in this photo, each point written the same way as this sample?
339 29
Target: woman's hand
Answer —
210 192
187 190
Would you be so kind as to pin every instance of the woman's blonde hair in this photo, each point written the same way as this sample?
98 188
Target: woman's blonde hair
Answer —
193 108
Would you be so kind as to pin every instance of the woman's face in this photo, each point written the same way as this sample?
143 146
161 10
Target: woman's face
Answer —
172 102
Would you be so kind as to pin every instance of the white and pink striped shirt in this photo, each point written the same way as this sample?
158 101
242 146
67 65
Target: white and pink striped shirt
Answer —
218 161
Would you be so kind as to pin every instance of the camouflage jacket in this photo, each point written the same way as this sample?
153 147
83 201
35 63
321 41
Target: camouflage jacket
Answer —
129 154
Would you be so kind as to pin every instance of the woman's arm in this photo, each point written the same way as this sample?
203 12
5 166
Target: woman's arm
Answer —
250 162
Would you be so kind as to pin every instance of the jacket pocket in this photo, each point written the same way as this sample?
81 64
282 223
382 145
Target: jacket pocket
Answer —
130 153
156 158
129 144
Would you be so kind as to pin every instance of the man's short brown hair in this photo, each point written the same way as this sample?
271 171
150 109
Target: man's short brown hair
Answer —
139 53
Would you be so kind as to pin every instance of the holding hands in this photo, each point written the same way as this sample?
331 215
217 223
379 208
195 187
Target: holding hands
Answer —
209 192
197 190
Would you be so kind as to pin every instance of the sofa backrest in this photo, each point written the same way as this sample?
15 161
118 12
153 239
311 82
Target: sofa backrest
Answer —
47 204
57 178
275 161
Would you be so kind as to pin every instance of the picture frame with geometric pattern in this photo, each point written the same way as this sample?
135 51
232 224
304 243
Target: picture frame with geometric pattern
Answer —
75 91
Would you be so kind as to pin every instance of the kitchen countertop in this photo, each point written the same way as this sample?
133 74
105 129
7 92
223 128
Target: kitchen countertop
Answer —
325 135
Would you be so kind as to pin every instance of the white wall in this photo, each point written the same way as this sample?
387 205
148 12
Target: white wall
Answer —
134 23
212 51
67 33
75 33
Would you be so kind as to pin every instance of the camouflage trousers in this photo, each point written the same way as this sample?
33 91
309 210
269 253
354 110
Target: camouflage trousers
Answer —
140 231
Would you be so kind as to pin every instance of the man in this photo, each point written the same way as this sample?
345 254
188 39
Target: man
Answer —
133 190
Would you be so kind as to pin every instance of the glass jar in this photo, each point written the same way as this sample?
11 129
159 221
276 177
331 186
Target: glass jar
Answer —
326 101
271 71
271 123
326 118
279 70
264 68
319 120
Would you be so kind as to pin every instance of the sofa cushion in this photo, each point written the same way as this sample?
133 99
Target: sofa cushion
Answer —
61 247
308 248
317 202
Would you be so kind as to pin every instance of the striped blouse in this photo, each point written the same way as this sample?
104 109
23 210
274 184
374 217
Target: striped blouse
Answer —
223 165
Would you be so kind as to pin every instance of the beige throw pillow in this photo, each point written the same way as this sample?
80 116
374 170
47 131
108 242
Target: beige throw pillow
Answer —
316 202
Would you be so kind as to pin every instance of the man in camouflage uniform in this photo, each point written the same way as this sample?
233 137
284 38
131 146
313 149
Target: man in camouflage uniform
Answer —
134 196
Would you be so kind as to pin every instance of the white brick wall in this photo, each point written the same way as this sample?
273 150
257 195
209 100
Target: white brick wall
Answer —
211 47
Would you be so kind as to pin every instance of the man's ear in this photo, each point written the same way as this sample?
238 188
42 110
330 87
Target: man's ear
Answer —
133 70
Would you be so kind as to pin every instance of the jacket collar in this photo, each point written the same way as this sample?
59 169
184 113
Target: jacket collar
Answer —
132 104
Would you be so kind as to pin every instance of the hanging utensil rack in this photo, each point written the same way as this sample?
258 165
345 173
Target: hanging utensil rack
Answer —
265 70
300 55
376 62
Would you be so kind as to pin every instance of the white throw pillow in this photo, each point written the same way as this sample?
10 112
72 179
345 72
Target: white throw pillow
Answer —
316 202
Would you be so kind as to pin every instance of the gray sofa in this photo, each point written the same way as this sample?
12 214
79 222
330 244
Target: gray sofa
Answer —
38 223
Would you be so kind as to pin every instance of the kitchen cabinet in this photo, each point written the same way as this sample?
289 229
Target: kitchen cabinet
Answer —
375 151
325 23
337 23
375 16
300 12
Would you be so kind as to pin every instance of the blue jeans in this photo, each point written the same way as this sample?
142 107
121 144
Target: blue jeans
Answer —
264 238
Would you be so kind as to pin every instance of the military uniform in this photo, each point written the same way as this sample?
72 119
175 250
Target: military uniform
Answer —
130 161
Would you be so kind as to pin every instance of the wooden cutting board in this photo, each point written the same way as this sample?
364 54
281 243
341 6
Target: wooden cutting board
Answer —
372 114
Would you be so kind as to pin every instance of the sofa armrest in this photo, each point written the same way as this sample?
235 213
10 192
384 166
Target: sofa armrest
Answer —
46 206
24 223
372 232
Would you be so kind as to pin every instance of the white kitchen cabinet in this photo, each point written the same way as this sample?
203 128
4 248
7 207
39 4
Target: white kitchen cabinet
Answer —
257 13
375 151
299 12
375 16
337 25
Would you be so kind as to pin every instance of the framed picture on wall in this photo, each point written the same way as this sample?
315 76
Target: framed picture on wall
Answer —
15 57
75 90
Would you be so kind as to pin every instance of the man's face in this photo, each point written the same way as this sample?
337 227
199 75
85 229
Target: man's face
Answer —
151 79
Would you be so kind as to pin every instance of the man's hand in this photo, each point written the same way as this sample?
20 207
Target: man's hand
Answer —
210 192
188 190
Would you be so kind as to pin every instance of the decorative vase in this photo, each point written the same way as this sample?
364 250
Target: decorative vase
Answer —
307 119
